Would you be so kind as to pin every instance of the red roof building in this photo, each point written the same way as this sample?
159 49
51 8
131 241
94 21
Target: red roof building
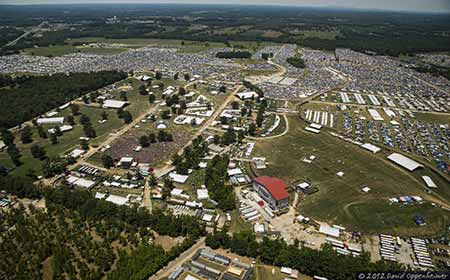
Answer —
273 191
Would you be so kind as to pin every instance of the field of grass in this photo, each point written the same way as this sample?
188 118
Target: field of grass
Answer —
338 196
434 118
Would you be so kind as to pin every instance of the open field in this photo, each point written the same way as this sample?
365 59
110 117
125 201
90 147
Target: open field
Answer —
337 197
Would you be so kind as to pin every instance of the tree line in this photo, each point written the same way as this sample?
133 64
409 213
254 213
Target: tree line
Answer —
31 96
325 262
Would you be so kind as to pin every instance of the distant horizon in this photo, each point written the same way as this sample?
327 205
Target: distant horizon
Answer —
440 7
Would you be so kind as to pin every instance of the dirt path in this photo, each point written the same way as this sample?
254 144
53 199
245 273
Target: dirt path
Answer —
184 257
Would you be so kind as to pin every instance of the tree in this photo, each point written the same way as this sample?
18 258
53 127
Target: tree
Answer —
84 120
107 161
70 120
14 154
85 99
152 138
38 152
26 135
252 129
144 141
53 139
223 120
151 98
187 77
75 109
158 75
175 77
235 105
57 131
7 136
84 144
142 90
53 166
222 89
104 115
243 111
127 118
42 132
181 91
123 96
229 136
165 115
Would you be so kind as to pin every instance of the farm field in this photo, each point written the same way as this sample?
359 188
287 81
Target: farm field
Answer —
340 199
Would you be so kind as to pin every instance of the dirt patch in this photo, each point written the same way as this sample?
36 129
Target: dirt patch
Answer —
272 34
167 242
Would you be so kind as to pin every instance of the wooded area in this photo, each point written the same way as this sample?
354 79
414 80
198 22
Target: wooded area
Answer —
31 96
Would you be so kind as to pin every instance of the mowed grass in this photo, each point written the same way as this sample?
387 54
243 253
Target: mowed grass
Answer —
340 199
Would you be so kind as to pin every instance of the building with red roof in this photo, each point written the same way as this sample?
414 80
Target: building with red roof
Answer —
273 191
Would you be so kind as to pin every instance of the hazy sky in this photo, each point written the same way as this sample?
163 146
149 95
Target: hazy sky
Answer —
400 5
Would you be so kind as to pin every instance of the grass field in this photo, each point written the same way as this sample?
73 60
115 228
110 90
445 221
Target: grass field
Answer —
340 199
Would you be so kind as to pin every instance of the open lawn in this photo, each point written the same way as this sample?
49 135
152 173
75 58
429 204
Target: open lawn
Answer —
337 196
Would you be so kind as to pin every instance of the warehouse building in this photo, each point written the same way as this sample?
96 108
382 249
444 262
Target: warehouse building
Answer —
273 191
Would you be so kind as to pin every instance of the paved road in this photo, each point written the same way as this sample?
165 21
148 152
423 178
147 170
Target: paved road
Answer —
33 30
184 257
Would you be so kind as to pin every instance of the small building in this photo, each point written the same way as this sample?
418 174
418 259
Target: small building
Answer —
118 200
247 95
404 162
125 162
44 121
429 182
114 104
2 145
273 191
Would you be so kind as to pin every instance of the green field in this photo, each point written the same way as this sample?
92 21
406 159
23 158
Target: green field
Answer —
340 199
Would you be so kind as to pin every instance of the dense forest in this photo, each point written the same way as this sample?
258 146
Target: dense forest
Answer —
31 96
326 262
297 62
80 237
234 54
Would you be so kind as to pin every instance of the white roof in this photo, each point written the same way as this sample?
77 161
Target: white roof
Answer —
207 218
374 149
202 194
119 200
176 192
286 270
405 162
366 189
235 171
316 126
303 185
2 144
329 230
429 182
57 120
177 178
375 115
190 277
340 173
84 183
66 127
126 159
310 129
247 95
100 195
115 104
